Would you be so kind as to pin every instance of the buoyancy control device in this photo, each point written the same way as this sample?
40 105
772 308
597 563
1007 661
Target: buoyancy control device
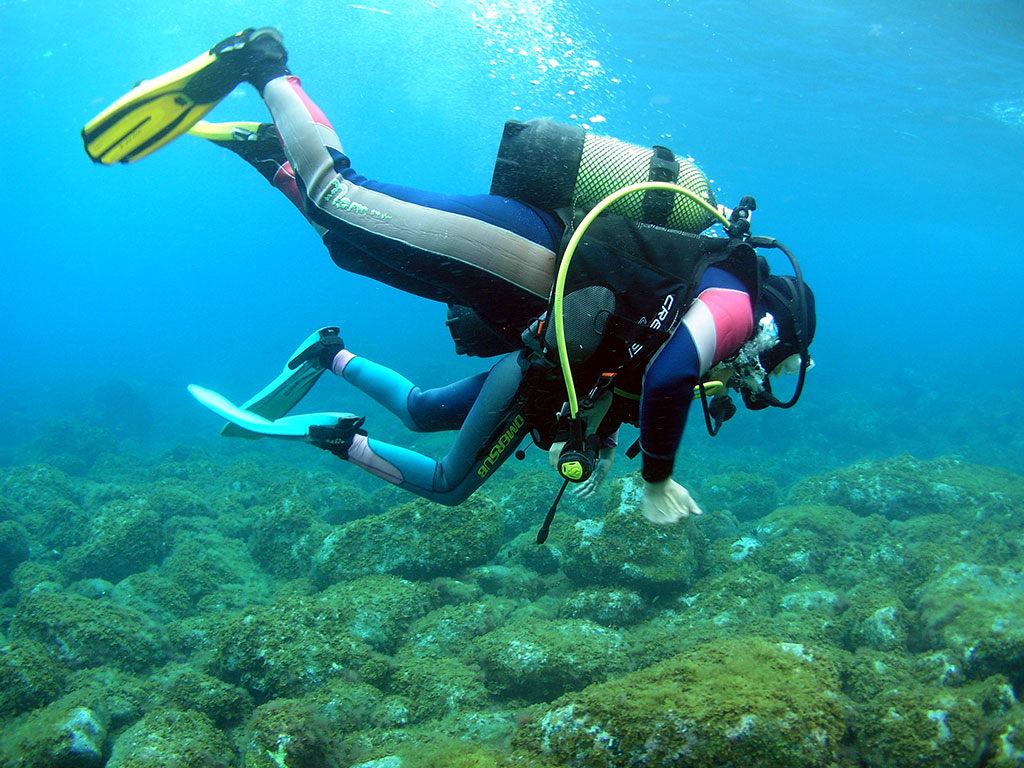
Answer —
564 168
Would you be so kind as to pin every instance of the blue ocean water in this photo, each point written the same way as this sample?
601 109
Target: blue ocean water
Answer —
167 595
882 142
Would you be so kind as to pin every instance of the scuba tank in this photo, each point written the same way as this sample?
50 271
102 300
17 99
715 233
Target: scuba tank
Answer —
554 166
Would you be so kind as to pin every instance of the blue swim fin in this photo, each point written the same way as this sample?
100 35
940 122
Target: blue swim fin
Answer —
298 376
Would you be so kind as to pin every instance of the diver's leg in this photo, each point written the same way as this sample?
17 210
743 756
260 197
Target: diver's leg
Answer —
260 146
432 410
490 432
490 253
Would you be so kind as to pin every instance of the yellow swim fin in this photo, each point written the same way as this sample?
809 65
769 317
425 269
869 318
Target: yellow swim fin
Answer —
242 130
157 111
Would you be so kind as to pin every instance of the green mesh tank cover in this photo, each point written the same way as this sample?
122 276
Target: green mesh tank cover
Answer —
553 166
609 164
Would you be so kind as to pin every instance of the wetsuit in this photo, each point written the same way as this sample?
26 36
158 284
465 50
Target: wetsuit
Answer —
496 255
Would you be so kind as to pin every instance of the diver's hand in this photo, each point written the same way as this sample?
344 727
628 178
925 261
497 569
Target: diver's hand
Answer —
592 484
667 502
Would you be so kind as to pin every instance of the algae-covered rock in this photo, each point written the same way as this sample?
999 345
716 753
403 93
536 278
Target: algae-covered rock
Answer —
203 565
170 737
350 706
123 696
741 601
188 688
72 446
624 549
977 611
285 537
82 633
437 687
525 495
541 659
876 618
449 630
747 495
512 581
29 677
336 501
49 504
70 733
733 702
798 540
868 673
293 733
1006 745
377 610
34 575
807 612
154 595
124 537
171 497
919 727
197 634
13 549
38 487
292 647
608 606
441 751
417 539
906 487
939 668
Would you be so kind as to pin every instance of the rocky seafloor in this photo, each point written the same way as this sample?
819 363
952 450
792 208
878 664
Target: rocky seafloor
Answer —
199 610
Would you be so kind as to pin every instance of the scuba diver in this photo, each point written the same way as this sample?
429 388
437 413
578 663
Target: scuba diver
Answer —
607 308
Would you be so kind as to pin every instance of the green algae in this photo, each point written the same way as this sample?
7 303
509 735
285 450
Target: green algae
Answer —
291 647
425 635
293 733
67 732
449 630
416 539
437 752
377 610
976 611
919 727
737 702
623 549
746 495
608 606
435 688
14 548
285 537
82 633
29 677
156 596
164 736
906 487
208 564
187 688
536 660
123 537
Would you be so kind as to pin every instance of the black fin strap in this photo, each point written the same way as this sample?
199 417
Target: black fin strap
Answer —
337 438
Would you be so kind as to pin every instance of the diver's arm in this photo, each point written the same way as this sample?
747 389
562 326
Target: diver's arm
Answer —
714 327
